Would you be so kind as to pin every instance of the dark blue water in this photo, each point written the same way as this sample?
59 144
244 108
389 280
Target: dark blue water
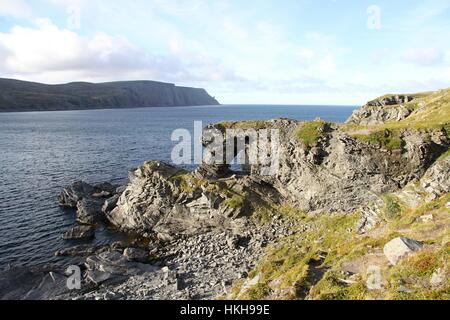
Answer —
42 152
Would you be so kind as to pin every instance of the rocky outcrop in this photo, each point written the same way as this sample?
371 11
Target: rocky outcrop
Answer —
81 232
388 108
16 96
168 201
91 201
340 173
23 283
433 184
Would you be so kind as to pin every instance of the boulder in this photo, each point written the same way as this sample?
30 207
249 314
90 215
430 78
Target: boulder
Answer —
136 254
117 264
399 248
71 195
78 233
89 211
106 187
98 277
438 277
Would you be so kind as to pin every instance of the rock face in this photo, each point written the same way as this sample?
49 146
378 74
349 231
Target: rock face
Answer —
389 108
70 195
112 266
433 184
89 211
340 173
27 96
168 201
399 248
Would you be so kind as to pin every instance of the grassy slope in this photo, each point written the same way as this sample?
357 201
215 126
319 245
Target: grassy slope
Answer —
430 112
329 242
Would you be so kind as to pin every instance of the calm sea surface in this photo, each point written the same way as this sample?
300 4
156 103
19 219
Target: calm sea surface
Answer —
41 152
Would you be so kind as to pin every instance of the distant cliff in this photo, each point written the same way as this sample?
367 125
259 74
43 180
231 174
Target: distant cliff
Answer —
18 95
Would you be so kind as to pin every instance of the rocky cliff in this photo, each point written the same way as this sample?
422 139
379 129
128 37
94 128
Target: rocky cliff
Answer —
28 96
355 211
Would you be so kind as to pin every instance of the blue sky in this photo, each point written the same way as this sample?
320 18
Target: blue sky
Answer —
247 51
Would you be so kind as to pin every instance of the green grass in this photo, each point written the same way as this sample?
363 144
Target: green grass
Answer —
444 156
310 132
236 201
257 292
288 263
187 182
387 139
415 273
330 288
245 125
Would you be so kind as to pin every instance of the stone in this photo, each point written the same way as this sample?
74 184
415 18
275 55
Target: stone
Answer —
115 263
89 211
399 248
427 218
78 233
136 254
438 277
106 188
98 277
71 195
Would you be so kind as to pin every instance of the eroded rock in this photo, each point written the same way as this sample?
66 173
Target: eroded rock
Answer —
136 254
81 232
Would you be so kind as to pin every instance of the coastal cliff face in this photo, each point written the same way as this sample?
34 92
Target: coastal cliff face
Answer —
359 210
27 96
342 192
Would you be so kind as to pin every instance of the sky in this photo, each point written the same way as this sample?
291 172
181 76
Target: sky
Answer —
337 52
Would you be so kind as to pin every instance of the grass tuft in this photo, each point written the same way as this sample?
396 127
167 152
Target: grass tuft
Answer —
310 132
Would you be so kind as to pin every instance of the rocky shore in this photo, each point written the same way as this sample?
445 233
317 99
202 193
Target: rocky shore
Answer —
371 194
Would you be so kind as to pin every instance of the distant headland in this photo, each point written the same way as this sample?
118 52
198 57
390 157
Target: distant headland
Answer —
20 96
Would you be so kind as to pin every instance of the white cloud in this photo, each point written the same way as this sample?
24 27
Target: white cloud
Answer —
15 8
51 54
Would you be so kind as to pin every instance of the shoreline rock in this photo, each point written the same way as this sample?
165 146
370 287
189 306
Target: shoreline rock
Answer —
81 232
